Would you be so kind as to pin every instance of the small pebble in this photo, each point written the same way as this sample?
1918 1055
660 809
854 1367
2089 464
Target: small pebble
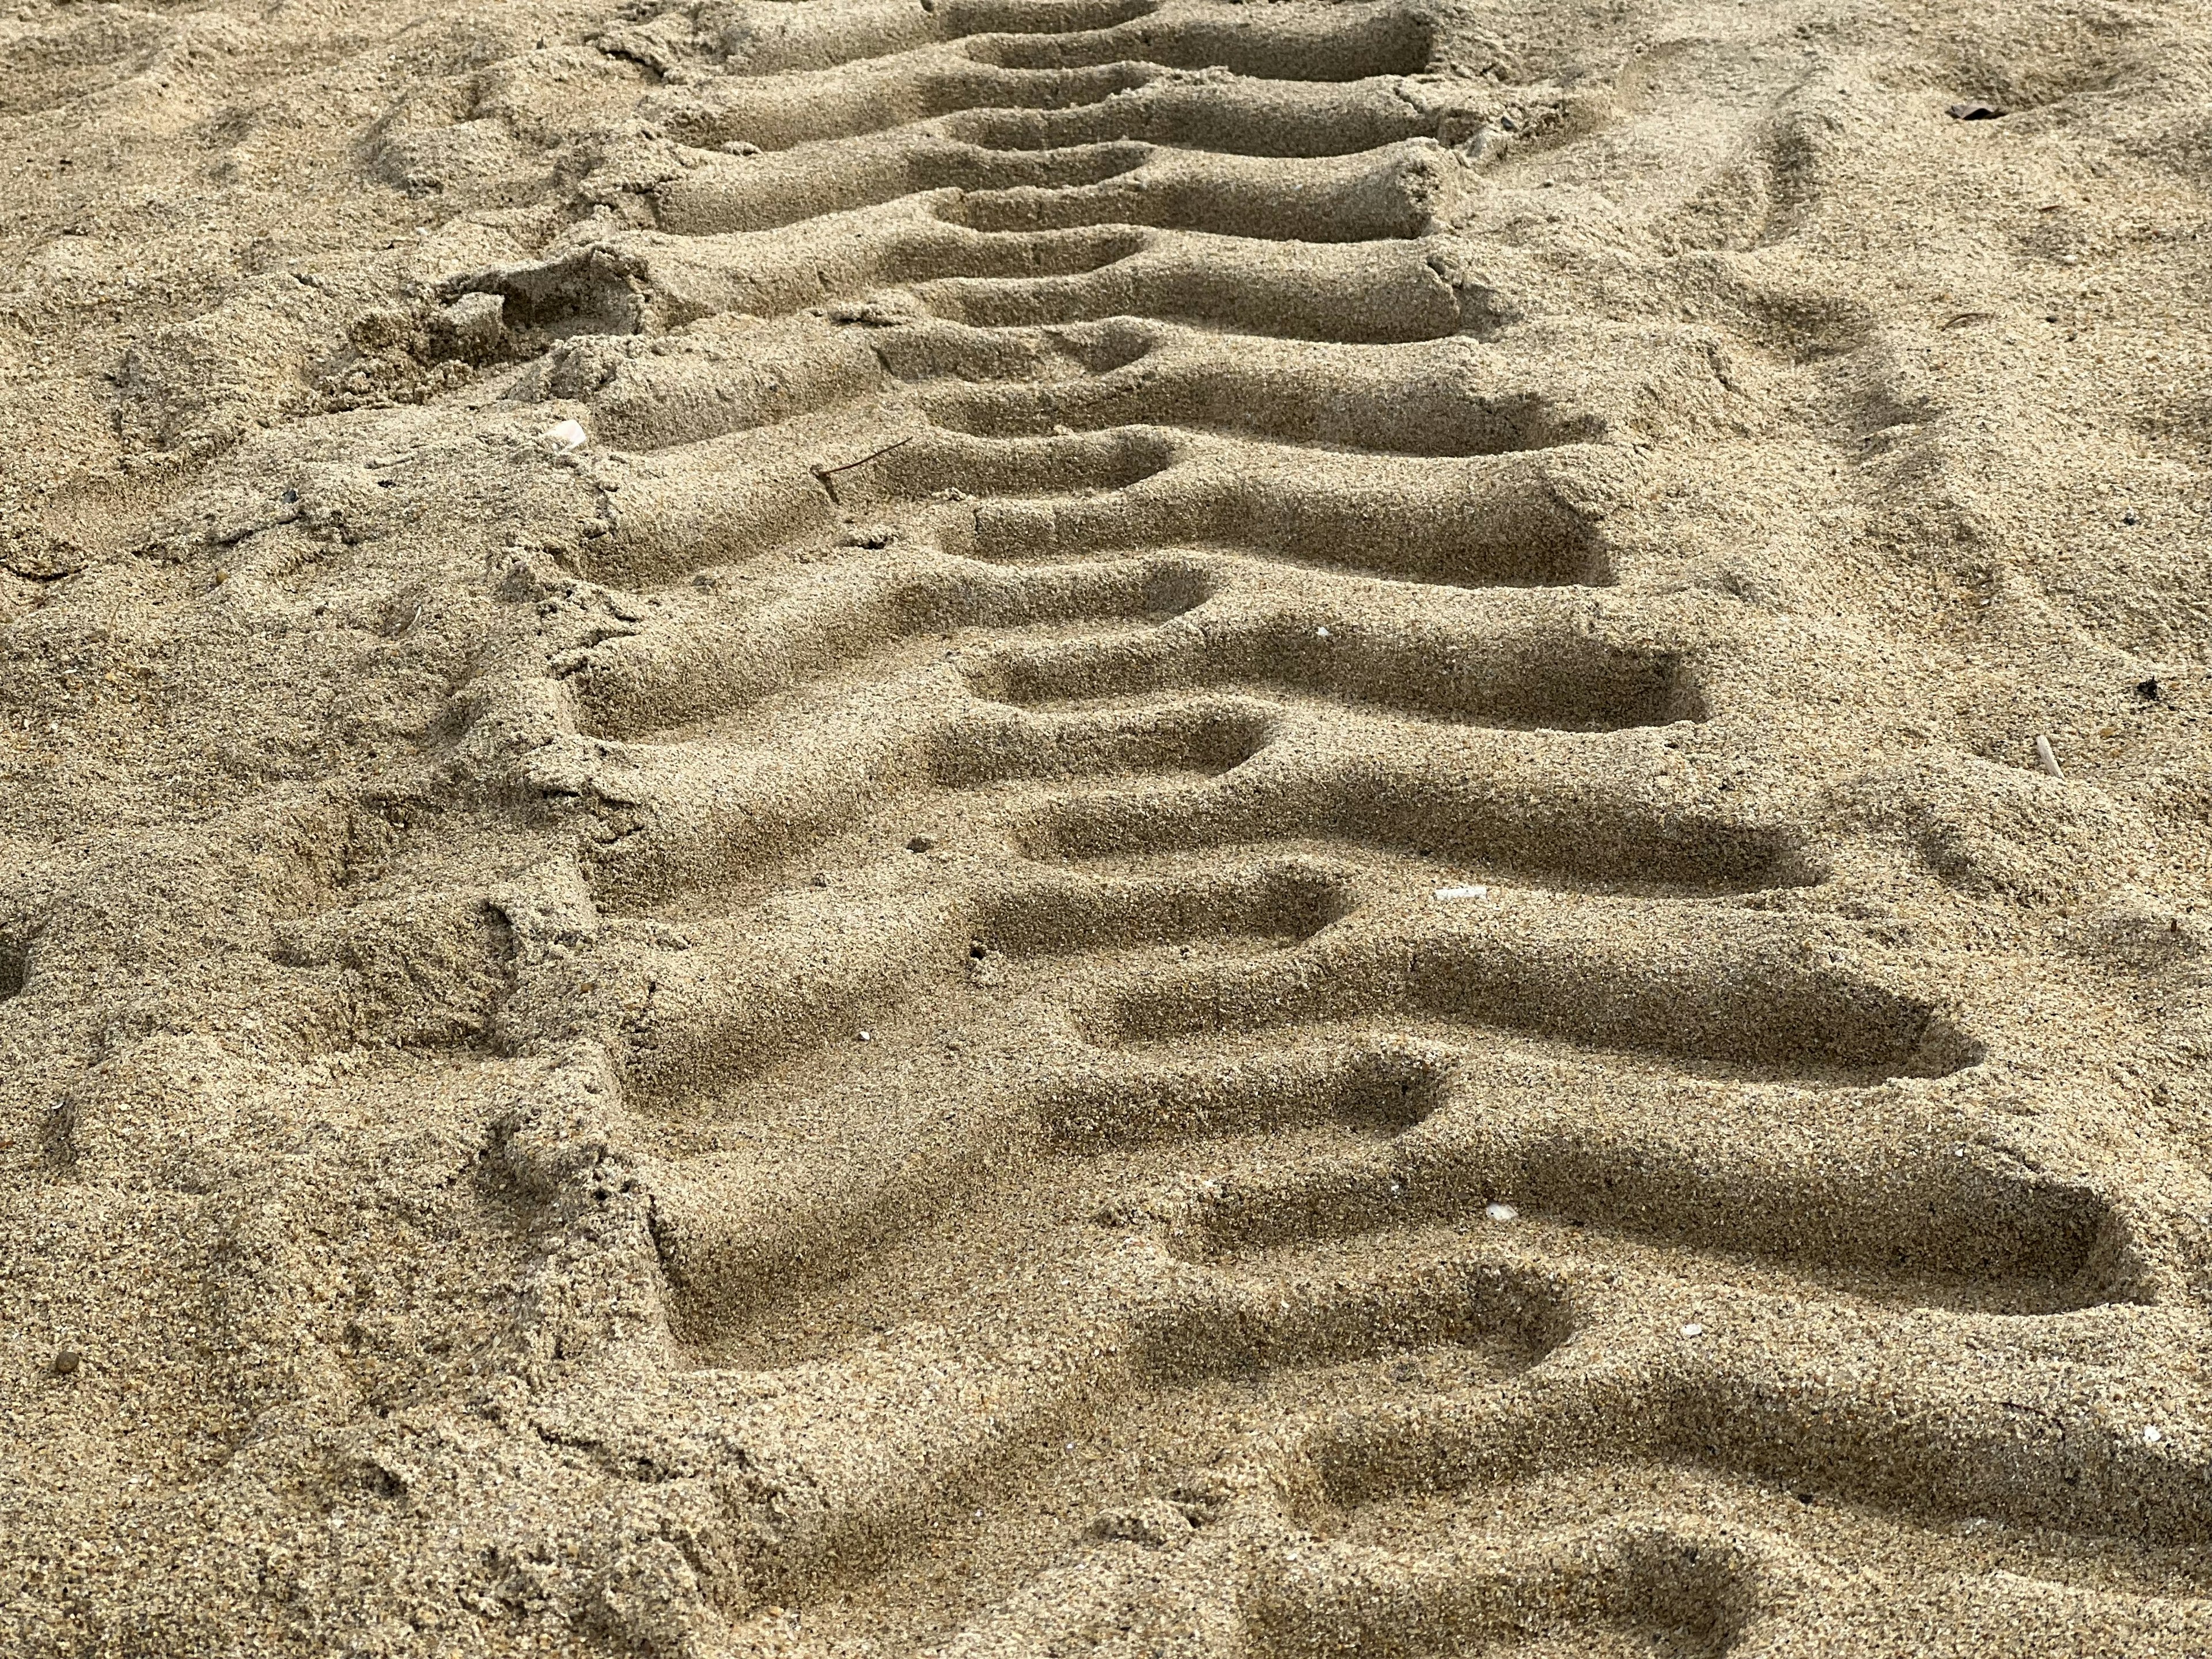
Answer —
65 1363
1501 1213
1320 633
1693 1329
864 1036
922 843
2152 1437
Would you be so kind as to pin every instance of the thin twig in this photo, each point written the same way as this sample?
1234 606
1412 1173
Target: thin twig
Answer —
825 473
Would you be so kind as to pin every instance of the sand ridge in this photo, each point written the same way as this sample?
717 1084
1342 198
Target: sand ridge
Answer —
1251 863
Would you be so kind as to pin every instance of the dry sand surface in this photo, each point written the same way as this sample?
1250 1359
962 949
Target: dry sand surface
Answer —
1293 828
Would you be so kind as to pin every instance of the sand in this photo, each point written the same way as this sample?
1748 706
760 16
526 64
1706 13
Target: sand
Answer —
1295 829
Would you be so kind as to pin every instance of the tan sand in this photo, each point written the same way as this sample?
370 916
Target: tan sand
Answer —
1254 861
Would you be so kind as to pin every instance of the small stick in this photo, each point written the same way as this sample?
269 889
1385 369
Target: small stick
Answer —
2043 753
825 473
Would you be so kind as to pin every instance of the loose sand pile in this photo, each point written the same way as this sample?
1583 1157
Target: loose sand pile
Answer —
1292 827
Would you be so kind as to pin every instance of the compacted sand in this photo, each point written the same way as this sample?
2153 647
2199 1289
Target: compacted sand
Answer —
1077 827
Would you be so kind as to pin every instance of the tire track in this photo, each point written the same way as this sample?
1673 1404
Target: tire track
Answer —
1155 946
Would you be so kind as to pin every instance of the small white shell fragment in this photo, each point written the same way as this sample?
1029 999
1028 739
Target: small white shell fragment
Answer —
2043 754
1501 1213
864 1036
1320 633
1693 1329
2151 1436
564 436
1447 894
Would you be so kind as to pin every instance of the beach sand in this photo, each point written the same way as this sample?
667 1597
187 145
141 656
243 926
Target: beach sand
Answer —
1070 827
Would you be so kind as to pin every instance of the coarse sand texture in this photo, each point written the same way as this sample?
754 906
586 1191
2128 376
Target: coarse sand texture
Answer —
1216 829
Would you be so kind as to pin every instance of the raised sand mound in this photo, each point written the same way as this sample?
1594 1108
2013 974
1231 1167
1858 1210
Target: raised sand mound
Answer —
1052 827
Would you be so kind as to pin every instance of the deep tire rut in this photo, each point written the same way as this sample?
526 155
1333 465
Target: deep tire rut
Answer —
1126 603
